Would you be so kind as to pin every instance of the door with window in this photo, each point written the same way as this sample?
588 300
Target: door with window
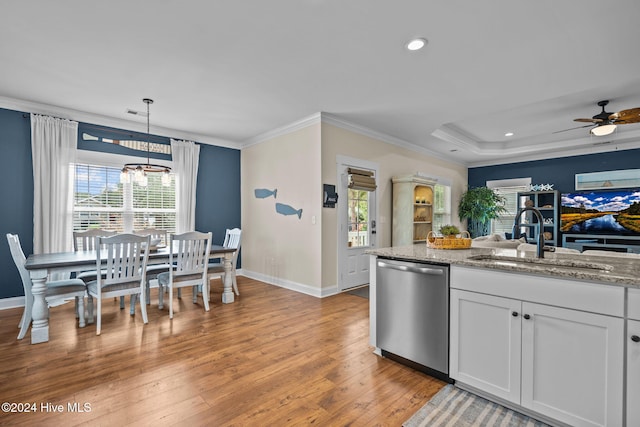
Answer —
357 224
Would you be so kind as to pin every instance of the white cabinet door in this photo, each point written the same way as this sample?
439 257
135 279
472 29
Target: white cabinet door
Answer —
485 343
572 365
633 373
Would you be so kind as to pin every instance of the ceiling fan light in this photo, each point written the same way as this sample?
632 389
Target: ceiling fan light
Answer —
603 130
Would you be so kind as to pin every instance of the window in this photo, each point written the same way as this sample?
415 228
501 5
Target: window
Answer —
101 201
441 206
507 188
358 205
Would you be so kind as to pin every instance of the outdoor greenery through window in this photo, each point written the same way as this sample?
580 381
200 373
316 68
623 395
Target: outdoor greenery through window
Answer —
358 205
101 201
441 206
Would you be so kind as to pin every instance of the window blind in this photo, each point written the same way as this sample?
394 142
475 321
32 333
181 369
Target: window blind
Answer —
360 179
504 223
101 201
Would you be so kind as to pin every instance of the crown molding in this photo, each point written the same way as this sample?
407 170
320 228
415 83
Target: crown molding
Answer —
82 116
283 130
341 123
331 119
594 148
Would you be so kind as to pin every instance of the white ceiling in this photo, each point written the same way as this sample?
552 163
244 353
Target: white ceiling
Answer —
229 71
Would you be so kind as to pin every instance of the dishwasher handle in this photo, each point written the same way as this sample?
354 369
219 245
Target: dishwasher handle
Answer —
422 270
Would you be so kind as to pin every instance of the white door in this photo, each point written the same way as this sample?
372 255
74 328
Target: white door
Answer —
356 226
485 343
572 365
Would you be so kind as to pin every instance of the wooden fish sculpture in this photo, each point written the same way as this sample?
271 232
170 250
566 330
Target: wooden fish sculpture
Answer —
262 193
283 209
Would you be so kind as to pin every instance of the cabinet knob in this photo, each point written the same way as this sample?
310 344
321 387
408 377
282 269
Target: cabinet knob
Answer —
526 316
635 338
514 314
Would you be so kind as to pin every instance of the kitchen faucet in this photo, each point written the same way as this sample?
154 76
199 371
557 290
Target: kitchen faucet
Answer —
516 226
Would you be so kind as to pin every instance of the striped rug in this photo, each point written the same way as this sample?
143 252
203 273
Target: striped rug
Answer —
453 407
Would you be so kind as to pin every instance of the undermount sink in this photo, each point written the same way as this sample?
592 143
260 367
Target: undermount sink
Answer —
567 264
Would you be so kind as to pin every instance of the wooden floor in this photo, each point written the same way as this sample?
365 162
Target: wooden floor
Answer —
273 358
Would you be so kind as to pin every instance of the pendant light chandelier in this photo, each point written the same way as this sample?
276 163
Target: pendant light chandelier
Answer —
140 170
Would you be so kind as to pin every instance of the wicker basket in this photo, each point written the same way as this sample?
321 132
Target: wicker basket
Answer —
439 242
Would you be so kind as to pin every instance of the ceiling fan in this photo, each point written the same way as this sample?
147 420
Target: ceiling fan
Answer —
605 123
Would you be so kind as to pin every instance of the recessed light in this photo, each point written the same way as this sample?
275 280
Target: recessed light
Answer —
508 134
416 44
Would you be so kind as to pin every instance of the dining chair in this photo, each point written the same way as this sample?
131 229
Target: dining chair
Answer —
232 239
189 256
87 241
123 260
160 237
57 290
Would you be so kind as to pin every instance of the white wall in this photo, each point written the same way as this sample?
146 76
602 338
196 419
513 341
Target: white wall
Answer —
282 249
393 161
298 254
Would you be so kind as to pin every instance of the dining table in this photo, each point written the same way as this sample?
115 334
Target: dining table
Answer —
40 266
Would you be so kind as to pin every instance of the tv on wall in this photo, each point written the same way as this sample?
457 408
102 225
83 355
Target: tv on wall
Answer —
614 212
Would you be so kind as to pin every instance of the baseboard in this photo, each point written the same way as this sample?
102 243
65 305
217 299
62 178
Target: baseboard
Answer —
288 284
6 303
13 302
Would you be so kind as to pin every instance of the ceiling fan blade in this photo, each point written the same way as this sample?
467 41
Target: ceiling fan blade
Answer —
579 127
588 120
626 116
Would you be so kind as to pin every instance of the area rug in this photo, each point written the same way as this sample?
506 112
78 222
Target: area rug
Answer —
453 407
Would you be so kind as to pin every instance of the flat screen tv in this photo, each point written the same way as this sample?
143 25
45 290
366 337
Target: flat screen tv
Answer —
614 212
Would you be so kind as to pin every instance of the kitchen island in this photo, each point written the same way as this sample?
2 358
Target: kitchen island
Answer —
556 337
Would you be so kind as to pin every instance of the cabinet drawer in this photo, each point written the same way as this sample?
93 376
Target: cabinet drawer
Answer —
573 294
634 304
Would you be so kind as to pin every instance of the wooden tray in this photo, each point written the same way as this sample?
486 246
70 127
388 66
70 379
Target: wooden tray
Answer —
439 242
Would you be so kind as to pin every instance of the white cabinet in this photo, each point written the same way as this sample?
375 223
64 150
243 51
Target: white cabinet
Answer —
633 373
563 363
412 215
572 366
485 343
633 358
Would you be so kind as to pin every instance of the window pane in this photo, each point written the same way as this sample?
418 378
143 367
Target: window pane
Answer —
358 206
100 201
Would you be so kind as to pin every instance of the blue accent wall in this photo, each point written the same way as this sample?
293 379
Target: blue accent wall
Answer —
218 191
559 171
16 193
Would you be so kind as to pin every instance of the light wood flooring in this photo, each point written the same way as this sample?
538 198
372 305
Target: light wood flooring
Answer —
273 358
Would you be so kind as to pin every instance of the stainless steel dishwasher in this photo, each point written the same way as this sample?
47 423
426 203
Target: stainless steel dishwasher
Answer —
412 311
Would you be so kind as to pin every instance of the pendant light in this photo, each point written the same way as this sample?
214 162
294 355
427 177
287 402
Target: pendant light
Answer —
140 170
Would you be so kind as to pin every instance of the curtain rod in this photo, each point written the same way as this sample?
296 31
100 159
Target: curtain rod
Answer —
28 116
130 133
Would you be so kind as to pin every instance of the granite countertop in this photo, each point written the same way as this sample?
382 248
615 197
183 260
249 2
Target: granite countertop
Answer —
617 270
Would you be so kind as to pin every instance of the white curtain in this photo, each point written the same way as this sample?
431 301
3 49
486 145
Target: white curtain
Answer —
185 157
53 151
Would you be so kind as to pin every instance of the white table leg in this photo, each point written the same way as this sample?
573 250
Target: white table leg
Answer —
40 311
227 291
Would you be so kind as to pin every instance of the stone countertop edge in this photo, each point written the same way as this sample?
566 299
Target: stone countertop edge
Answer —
623 271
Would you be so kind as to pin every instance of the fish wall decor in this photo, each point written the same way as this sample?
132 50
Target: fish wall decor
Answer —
283 209
263 193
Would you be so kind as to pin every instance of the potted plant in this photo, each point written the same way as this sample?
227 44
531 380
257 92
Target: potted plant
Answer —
449 231
479 205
